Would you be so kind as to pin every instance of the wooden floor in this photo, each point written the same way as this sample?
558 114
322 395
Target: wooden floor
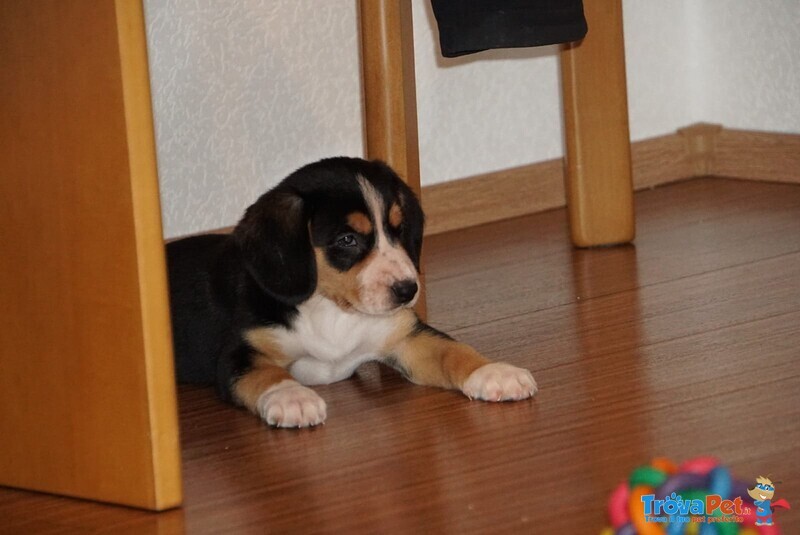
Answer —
686 344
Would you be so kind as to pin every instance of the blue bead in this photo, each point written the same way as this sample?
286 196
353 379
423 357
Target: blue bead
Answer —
720 483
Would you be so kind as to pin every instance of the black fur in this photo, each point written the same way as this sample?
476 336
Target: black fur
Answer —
223 285
424 328
275 246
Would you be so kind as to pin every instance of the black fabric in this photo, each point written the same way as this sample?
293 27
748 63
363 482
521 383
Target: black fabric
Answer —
469 26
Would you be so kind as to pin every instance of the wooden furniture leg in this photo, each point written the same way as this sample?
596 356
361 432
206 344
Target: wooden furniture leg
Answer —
390 101
87 389
598 170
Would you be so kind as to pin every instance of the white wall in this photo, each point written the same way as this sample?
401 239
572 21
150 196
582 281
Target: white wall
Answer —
244 92
661 65
750 74
483 112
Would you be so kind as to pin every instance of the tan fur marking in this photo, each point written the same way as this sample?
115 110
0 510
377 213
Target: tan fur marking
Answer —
359 222
405 321
395 215
262 340
251 385
341 287
269 368
435 361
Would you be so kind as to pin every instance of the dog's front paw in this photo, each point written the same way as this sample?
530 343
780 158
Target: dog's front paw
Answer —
498 381
290 404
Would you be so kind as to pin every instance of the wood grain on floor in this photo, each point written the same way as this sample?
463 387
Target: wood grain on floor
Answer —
686 344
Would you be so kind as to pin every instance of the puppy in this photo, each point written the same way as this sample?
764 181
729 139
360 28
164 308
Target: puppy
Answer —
318 277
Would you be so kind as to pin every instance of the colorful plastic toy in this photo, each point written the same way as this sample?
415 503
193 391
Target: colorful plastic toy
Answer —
677 498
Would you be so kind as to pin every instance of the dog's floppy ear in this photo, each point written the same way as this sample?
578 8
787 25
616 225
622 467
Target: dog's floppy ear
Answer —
274 240
413 224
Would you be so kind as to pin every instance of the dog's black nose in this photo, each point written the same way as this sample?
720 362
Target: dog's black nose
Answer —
404 291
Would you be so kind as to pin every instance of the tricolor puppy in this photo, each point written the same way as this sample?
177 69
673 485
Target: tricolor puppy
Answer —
319 276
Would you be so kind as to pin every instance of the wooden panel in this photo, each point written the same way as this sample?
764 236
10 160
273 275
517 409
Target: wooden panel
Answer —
87 392
700 139
684 345
390 94
151 262
660 160
599 190
493 196
757 155
696 150
528 189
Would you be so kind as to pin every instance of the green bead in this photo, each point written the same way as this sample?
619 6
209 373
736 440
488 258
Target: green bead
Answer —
647 475
727 528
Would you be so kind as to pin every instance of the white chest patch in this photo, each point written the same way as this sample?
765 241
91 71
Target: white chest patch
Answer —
328 343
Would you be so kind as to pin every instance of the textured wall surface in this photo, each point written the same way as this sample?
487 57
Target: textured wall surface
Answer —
750 75
487 111
246 91
661 66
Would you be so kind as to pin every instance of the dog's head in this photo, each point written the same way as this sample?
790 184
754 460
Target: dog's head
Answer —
346 228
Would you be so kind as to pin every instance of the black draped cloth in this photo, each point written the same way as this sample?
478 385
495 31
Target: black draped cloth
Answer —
469 26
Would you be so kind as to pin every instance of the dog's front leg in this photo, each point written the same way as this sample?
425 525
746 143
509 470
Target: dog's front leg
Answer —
268 390
428 357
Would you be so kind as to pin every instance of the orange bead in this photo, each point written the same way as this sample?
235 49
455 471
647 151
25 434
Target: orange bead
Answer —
664 464
636 512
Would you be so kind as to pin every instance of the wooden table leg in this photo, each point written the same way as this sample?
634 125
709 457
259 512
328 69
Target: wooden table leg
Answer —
87 389
390 100
598 170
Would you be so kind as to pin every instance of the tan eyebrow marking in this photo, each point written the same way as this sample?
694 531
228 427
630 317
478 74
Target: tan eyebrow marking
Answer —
395 215
359 222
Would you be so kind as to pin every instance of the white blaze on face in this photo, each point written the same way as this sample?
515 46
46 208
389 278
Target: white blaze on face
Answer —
388 263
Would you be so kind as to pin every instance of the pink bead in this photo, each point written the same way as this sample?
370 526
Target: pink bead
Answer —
618 505
768 530
699 465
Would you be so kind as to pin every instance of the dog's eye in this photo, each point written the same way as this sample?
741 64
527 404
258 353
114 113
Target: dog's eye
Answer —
348 240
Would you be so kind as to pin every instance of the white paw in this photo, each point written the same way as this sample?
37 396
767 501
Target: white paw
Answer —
290 404
499 381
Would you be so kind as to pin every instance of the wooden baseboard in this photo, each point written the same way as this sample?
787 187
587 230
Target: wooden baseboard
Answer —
757 156
697 150
493 196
